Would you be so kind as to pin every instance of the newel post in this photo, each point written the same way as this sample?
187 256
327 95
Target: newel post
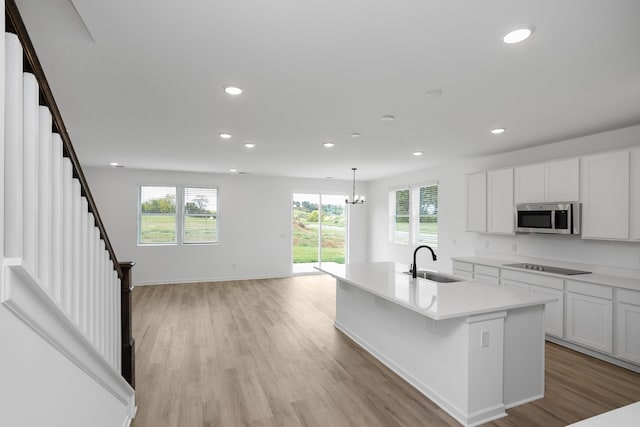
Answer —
128 342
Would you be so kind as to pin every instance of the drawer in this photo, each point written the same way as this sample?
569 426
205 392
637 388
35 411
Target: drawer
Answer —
590 289
463 273
486 279
512 284
628 296
486 270
534 279
465 266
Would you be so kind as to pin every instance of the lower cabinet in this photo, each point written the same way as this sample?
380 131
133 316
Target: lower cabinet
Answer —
463 269
487 274
553 311
627 317
589 316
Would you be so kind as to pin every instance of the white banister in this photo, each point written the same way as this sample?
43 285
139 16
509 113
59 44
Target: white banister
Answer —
13 216
30 130
84 265
67 235
45 228
56 217
59 274
76 247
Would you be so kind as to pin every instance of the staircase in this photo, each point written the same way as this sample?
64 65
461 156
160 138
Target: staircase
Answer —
66 351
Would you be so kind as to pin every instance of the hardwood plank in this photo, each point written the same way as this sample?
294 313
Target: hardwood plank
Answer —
265 353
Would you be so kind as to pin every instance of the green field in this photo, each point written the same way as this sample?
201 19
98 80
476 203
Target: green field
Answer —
305 238
162 229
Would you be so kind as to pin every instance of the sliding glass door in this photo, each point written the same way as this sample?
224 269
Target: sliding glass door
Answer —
319 232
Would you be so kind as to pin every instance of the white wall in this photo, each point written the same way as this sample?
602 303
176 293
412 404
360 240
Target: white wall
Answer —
455 241
255 224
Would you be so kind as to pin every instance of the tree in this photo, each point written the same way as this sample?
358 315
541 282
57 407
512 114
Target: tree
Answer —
166 204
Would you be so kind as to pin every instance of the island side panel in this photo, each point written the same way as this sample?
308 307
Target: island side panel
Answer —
524 355
431 355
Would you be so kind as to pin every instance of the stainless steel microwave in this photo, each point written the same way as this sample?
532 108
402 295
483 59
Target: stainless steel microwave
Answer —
550 218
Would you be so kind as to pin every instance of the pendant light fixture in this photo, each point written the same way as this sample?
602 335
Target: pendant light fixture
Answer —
356 199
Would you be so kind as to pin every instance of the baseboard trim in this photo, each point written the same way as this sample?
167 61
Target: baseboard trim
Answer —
22 294
209 280
593 353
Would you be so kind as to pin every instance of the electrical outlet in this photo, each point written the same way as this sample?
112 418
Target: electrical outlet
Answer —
486 244
514 247
234 266
484 339
454 242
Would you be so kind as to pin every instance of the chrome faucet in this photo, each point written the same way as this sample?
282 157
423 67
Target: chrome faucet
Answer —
414 272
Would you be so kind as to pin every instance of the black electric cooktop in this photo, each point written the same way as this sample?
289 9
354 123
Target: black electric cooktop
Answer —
547 269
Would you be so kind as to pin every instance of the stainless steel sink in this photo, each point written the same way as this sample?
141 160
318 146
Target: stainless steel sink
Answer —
435 277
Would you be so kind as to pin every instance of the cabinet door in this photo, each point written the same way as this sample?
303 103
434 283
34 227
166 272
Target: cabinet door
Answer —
635 194
589 321
628 332
514 285
553 311
477 202
562 181
500 201
529 184
605 196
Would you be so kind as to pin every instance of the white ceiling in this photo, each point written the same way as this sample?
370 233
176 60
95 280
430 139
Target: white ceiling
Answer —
141 82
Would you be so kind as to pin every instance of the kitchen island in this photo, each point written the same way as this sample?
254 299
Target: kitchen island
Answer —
473 349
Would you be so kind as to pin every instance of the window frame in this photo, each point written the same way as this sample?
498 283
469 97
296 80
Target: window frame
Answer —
414 214
179 216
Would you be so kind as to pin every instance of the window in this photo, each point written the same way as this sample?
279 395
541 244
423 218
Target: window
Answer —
400 223
157 215
161 223
413 215
200 215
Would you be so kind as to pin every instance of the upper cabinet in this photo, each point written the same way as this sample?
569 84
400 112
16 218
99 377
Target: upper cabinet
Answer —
605 196
500 214
635 193
477 202
557 181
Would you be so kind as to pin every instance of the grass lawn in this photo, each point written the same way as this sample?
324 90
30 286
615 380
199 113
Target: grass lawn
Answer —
162 229
305 243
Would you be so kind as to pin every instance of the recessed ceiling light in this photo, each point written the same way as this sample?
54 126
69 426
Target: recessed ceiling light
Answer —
355 135
232 90
232 170
225 135
418 153
249 145
518 35
498 130
433 93
114 164
387 117
328 144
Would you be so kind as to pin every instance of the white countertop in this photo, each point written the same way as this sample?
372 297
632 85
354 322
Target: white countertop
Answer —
601 279
627 416
435 300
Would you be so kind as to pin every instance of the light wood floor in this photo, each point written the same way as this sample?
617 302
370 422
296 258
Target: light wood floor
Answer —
265 353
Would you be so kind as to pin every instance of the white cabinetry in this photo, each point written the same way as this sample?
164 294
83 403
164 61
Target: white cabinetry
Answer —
487 274
589 315
529 184
627 338
500 213
541 285
635 194
463 269
605 196
477 202
562 180
557 181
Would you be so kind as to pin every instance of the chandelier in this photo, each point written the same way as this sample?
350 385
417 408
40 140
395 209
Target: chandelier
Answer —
356 199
